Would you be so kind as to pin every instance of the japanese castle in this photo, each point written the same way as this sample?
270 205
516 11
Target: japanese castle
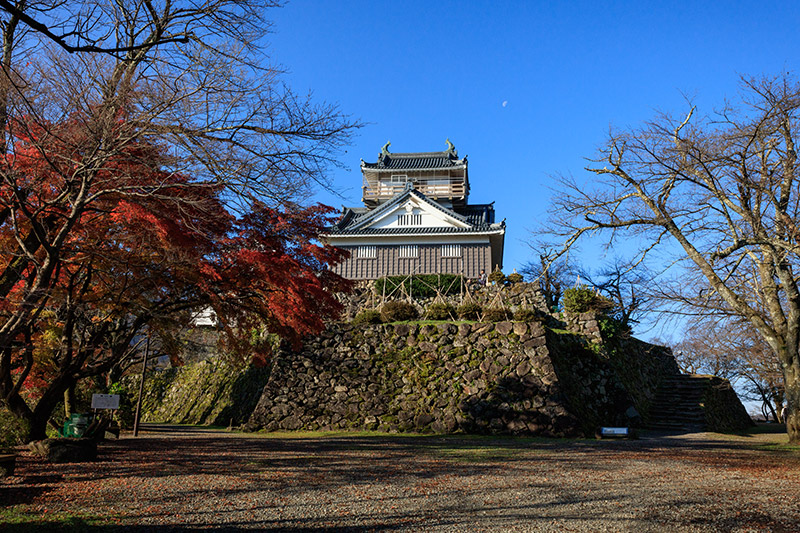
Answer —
416 219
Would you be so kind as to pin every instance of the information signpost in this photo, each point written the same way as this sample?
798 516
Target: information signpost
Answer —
105 401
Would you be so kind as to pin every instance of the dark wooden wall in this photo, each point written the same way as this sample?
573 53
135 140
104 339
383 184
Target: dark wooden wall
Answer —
474 257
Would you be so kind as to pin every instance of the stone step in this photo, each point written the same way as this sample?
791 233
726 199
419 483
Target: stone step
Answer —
677 415
677 405
696 428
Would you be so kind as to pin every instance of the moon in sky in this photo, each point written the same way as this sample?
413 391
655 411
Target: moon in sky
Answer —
505 103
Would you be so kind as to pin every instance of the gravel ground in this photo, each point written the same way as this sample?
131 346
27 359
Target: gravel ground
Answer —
183 479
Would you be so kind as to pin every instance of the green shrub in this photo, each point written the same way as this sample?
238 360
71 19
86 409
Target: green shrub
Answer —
582 299
497 276
469 310
368 316
127 406
421 286
611 328
496 314
514 277
440 311
398 310
525 314
13 430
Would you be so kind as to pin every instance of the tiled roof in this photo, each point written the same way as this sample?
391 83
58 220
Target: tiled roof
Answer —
477 214
415 230
416 161
351 219
351 215
480 217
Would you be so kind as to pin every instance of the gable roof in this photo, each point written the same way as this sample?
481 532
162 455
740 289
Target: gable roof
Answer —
478 218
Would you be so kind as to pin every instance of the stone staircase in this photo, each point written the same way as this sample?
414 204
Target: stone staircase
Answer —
678 404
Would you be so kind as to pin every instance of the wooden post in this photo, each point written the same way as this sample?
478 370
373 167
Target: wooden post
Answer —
383 296
461 290
141 389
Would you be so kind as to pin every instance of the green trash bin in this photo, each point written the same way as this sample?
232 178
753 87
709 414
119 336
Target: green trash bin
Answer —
76 424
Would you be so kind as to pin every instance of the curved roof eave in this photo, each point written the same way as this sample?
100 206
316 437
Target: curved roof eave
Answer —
396 232
369 166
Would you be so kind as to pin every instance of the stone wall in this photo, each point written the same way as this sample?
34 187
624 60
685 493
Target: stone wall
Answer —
586 324
209 392
724 412
515 378
641 367
506 377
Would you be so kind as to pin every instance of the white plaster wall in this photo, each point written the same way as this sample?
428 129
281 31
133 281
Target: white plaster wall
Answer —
431 218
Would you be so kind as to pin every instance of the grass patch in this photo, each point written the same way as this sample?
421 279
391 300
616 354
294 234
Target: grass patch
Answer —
562 331
492 448
762 431
766 429
778 447
762 437
24 520
476 454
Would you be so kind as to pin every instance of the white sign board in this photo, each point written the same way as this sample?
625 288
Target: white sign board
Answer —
105 401
614 432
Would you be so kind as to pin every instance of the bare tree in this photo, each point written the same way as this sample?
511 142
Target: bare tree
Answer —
730 348
626 284
552 274
701 350
721 192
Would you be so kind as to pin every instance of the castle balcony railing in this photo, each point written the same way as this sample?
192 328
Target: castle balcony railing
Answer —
434 189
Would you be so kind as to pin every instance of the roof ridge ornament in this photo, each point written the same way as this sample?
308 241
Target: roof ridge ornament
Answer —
451 149
385 150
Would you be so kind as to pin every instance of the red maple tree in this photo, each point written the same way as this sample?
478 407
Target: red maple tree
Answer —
98 247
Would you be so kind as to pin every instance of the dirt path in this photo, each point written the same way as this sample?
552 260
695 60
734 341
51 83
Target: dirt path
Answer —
181 479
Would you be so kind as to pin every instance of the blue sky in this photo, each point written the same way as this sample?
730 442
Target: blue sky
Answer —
526 89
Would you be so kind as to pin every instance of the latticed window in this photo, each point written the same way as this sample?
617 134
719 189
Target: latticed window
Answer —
409 220
367 252
409 250
451 250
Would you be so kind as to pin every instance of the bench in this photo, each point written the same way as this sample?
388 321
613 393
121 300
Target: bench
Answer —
7 464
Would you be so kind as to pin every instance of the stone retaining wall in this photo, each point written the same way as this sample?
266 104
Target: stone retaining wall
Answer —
209 392
724 412
506 377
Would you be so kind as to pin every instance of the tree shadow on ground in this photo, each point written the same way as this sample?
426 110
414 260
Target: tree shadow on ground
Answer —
442 467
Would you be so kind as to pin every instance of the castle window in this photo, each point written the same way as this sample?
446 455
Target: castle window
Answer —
409 220
451 250
367 252
408 250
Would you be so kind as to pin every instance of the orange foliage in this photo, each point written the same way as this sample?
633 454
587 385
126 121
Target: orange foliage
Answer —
143 245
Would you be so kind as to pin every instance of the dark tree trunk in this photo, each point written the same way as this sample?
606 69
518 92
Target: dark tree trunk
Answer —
69 401
36 419
20 409
791 376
